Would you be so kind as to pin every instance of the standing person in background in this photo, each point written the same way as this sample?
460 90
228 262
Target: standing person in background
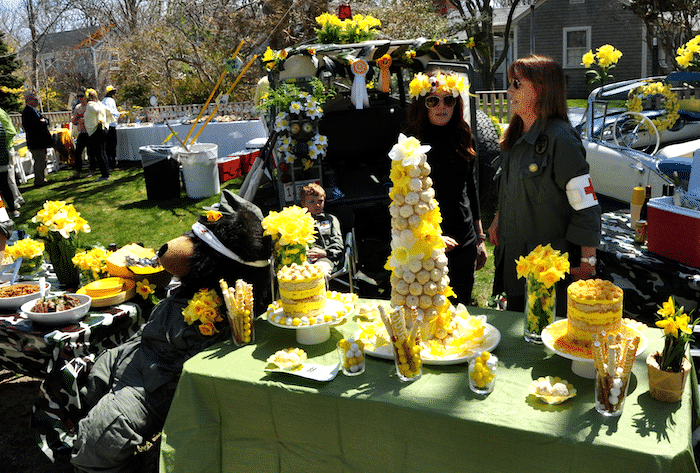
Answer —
111 142
545 194
327 250
36 126
436 118
7 137
97 119
81 143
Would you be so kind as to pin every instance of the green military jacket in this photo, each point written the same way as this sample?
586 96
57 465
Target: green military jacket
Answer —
533 204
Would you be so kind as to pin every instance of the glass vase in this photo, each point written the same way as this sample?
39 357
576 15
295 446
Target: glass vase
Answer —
540 308
61 251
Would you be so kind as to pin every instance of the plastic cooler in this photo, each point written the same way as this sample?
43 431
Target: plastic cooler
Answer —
673 232
200 172
161 172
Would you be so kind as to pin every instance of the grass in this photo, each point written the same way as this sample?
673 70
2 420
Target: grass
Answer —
119 211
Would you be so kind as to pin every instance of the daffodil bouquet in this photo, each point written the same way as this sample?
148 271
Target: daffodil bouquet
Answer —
59 224
203 308
605 57
678 331
92 263
333 30
31 252
543 267
689 55
292 231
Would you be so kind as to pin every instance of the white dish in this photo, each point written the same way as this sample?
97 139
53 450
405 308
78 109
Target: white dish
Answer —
65 316
493 338
332 307
582 366
17 301
310 371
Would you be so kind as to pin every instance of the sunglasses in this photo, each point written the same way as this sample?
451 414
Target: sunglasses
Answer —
433 101
516 83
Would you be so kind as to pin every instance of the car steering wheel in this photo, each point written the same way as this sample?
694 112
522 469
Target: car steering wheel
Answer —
628 125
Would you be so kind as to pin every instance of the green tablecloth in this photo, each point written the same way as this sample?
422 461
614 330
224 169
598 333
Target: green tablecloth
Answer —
230 416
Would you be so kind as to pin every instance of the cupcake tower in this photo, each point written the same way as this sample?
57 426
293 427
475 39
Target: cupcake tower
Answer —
418 264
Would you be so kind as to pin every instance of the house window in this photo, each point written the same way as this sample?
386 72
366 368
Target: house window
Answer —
114 61
573 2
577 42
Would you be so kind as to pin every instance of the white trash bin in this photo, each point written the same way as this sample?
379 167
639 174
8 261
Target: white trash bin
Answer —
200 172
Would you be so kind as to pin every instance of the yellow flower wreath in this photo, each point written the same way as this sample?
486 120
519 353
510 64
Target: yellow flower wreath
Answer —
670 100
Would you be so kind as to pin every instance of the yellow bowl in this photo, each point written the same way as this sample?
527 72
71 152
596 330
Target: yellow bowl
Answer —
104 287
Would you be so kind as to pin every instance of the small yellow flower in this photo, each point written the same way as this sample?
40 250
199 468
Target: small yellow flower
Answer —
144 288
213 215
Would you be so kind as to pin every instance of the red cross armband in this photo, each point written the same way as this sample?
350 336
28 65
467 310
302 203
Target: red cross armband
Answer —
580 192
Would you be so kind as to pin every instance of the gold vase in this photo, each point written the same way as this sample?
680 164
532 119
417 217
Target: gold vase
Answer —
666 386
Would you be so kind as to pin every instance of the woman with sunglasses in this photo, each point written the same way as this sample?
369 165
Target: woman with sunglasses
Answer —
436 118
545 192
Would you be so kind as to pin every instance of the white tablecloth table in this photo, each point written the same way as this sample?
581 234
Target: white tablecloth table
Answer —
228 136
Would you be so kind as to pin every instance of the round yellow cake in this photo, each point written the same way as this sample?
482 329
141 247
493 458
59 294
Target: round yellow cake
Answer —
593 306
302 290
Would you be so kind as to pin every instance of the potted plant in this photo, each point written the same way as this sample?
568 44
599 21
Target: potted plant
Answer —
669 369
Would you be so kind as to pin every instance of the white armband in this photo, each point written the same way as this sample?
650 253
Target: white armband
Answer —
580 192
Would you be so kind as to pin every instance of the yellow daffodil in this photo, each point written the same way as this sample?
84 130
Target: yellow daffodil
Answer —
203 308
213 215
144 288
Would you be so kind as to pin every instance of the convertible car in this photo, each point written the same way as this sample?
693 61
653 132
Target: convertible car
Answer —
639 132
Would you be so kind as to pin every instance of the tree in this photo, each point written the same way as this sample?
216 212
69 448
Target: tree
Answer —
10 85
406 19
671 22
477 22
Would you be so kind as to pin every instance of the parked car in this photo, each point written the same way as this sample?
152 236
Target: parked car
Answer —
624 146
355 166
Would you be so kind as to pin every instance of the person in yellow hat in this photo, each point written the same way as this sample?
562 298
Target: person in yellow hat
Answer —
111 140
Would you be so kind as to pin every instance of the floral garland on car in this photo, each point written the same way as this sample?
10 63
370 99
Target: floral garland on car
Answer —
670 102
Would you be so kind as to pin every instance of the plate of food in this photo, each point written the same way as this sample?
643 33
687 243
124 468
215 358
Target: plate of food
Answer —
59 309
463 339
13 296
293 361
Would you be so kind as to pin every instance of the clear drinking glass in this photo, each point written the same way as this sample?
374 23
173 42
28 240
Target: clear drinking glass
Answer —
407 359
352 356
610 394
482 374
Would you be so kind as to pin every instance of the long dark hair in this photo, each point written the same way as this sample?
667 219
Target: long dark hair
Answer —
417 121
547 77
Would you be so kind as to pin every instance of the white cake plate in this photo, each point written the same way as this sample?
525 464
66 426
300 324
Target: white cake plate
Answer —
581 366
312 334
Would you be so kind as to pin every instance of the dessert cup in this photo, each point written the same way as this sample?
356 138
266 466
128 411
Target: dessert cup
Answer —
409 367
610 394
352 357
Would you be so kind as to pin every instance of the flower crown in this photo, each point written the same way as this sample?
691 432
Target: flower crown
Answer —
423 84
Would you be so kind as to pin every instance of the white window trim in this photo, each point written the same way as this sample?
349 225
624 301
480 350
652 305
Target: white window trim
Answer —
565 46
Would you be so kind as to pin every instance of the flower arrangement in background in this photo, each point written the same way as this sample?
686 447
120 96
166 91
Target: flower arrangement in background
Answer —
31 252
542 268
605 57
678 331
298 114
203 308
60 224
689 55
273 59
92 263
423 84
292 231
333 30
669 101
